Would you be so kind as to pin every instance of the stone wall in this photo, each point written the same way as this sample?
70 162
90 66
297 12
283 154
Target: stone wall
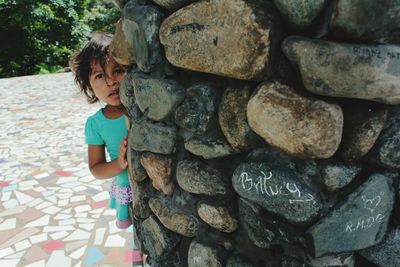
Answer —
263 133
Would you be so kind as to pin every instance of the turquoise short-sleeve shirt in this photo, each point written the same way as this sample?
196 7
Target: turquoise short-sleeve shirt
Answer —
100 130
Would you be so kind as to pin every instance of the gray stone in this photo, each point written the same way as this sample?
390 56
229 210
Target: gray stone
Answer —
263 231
386 151
148 136
287 261
300 126
157 98
337 260
120 48
197 111
360 221
126 92
386 253
236 261
204 37
233 121
300 14
140 24
336 175
362 126
201 255
209 148
135 169
175 218
218 217
366 20
172 5
158 240
198 178
159 169
141 193
278 190
369 72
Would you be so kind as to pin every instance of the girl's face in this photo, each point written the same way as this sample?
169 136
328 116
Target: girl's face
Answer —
105 83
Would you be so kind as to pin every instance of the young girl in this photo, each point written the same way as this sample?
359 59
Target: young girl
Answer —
99 78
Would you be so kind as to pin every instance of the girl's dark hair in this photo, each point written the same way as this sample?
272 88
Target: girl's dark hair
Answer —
95 50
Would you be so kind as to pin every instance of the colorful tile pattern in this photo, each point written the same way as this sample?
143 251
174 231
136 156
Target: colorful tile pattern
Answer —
53 212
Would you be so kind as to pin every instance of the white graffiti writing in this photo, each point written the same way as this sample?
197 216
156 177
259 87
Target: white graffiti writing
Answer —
261 185
364 223
371 204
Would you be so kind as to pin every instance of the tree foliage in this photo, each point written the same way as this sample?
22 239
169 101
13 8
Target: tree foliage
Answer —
38 36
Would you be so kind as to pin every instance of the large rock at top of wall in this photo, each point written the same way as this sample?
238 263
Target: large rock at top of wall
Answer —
157 98
140 24
360 221
232 38
172 5
366 20
233 121
370 72
300 126
299 13
386 151
278 190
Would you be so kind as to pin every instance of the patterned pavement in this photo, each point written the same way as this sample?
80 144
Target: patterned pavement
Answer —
53 212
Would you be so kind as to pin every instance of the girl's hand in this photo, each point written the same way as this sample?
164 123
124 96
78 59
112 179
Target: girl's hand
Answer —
122 161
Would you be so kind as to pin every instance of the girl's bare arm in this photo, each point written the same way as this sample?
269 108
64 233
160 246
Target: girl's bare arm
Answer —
100 168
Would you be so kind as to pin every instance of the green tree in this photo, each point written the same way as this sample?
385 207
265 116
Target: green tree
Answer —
39 36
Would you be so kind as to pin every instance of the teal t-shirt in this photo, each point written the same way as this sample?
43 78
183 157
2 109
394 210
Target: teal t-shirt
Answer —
100 130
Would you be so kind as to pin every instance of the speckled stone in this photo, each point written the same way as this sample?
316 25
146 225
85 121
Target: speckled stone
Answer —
300 126
198 178
199 37
300 14
218 217
347 70
175 218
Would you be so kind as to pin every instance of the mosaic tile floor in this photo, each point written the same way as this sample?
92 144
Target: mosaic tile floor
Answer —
53 212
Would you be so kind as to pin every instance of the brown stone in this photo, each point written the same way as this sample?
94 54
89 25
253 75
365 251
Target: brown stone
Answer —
298 125
174 218
230 38
120 48
217 217
233 121
135 169
158 167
